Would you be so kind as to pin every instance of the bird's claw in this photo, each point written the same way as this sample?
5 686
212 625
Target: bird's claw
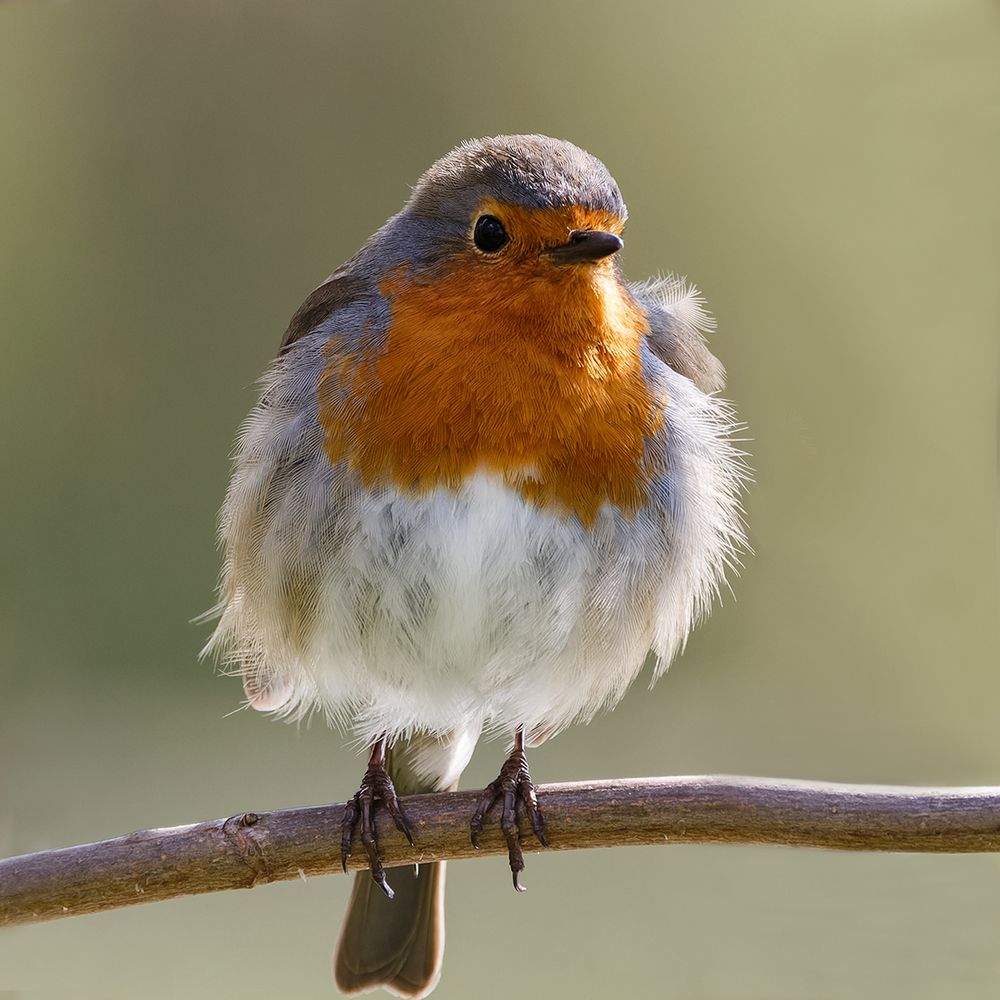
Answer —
376 787
514 789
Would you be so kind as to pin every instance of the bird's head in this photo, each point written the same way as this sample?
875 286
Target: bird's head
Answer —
511 342
513 209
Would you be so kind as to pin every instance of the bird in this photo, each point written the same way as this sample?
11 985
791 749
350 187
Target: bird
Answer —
485 479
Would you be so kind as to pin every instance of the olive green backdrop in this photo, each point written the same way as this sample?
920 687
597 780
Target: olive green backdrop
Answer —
176 176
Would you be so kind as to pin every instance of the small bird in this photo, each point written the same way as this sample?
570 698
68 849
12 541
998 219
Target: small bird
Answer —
485 477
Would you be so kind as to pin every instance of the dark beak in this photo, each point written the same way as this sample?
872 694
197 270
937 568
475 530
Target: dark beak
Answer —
586 245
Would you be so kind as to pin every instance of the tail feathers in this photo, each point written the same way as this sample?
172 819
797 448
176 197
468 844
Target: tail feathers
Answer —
395 943
399 943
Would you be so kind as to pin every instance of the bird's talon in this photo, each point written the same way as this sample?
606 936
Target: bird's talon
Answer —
513 787
376 787
381 882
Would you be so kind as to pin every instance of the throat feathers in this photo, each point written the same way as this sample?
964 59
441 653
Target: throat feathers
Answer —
542 385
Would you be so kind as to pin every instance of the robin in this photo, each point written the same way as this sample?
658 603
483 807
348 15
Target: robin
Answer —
485 477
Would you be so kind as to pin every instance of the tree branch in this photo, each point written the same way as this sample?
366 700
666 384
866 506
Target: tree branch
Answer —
244 851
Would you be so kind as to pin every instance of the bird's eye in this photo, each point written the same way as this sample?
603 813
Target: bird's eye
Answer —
490 235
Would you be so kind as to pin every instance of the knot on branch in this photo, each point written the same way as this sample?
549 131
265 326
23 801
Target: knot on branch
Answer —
241 836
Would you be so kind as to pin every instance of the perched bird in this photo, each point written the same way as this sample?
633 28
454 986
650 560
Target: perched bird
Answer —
485 477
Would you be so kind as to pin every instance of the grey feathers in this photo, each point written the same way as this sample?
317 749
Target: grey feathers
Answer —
530 170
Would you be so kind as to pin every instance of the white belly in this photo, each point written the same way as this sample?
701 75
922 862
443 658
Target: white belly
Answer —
477 604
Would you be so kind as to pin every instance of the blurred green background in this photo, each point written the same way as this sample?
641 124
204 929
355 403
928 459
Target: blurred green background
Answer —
176 176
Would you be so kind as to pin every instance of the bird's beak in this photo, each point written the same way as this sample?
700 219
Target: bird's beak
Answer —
585 245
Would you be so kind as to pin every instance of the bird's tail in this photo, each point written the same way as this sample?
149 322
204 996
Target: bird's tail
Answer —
399 943
396 943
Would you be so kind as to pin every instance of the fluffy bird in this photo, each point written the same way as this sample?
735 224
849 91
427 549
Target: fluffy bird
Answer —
486 476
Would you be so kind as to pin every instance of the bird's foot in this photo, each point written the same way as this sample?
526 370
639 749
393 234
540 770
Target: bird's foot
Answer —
514 789
376 787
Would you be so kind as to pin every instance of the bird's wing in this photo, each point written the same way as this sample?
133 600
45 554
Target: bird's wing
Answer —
279 497
678 323
337 291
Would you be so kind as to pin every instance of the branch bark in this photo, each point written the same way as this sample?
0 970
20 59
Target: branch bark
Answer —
254 848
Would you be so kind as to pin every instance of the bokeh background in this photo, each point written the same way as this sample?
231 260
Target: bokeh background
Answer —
176 175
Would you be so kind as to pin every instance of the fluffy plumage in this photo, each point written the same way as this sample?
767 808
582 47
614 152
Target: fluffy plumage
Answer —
477 491
399 612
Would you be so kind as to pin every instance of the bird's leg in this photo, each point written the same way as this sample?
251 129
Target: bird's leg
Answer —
376 786
513 788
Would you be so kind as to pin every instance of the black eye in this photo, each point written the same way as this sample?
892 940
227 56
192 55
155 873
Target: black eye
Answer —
490 235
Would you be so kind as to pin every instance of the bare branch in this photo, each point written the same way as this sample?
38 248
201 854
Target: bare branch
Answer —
244 851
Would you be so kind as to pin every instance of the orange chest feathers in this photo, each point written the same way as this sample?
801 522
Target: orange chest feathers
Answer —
537 382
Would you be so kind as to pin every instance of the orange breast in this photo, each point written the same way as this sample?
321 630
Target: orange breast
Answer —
533 375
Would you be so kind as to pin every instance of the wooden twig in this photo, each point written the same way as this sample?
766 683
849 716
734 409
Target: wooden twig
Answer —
253 848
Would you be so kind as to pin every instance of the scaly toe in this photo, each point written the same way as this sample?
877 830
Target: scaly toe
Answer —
359 814
514 789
